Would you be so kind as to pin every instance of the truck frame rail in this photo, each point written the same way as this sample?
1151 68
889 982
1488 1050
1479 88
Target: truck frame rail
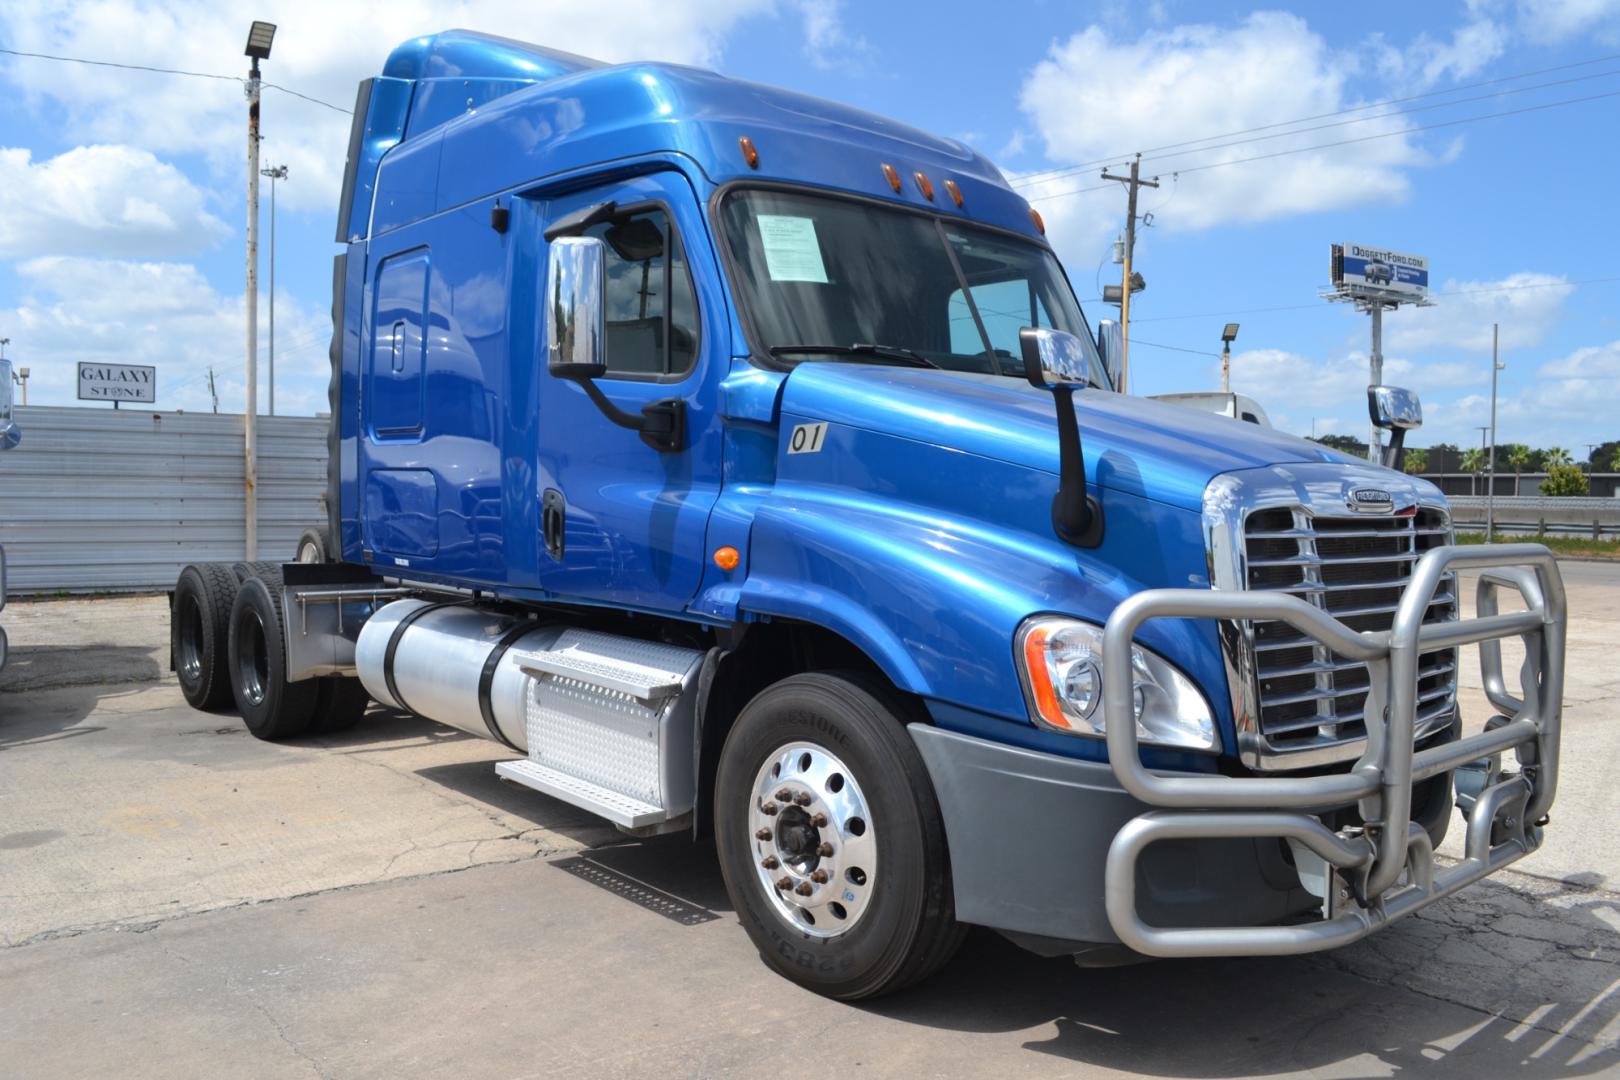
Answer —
1383 868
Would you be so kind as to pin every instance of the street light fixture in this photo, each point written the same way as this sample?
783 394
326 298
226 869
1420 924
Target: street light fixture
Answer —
1228 335
260 35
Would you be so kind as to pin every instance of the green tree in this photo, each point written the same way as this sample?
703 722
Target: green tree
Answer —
1555 455
1416 461
1565 478
1518 456
1614 459
1345 444
1473 463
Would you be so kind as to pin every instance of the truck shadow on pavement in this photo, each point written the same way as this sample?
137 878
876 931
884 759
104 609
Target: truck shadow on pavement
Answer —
1492 982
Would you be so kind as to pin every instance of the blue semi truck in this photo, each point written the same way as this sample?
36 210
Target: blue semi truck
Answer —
744 465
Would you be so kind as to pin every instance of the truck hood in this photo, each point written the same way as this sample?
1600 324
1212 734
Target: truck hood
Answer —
1158 451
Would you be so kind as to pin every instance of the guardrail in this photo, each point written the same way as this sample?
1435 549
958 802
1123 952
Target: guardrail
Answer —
1540 515
1366 888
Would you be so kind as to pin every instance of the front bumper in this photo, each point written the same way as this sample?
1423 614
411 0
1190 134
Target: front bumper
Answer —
1208 865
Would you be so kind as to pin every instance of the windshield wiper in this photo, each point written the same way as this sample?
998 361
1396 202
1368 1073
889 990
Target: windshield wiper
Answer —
861 348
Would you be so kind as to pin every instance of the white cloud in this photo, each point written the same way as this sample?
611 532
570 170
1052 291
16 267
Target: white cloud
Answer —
1427 61
322 49
1094 96
104 199
828 43
1527 306
1551 21
1590 363
165 314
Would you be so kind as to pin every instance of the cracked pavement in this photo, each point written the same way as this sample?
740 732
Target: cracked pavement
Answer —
177 899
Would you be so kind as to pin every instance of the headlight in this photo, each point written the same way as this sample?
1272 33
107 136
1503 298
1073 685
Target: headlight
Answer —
1060 664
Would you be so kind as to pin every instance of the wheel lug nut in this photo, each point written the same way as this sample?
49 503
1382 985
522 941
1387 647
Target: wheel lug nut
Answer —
770 862
802 798
819 821
768 809
784 883
784 795
804 889
825 850
762 834
819 877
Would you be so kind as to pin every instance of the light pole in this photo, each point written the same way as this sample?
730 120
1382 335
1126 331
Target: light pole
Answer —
275 172
260 36
1490 490
1228 336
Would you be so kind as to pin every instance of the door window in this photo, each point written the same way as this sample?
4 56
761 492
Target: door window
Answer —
651 317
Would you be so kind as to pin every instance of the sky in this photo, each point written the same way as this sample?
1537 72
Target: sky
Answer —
122 202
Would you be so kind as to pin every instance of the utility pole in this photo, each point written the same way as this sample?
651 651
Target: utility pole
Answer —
260 36
1132 182
275 172
1482 428
1490 491
212 392
1375 365
1228 335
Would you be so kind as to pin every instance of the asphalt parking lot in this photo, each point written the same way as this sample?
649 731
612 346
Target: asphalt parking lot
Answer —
178 899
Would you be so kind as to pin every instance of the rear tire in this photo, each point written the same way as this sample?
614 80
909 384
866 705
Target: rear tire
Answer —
314 545
867 907
199 629
340 703
272 707
263 568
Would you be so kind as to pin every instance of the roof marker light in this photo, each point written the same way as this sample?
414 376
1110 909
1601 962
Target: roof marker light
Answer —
891 176
924 185
749 154
1035 216
956 193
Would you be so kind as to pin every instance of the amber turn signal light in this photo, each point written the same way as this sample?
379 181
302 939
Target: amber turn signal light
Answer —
891 176
924 185
726 558
955 192
1040 678
749 154
1035 216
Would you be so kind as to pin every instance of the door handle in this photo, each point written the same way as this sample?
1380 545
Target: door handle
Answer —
398 360
553 518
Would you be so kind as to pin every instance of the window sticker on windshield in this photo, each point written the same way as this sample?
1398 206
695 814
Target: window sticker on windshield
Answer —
792 252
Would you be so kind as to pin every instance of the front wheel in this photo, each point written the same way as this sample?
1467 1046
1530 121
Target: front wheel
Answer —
830 838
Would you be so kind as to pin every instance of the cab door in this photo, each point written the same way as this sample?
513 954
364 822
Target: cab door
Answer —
623 521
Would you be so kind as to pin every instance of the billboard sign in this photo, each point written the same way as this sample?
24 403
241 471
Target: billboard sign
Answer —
1379 272
116 382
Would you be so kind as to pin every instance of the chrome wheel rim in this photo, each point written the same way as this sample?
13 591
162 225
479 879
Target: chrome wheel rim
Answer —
253 665
191 636
308 552
812 839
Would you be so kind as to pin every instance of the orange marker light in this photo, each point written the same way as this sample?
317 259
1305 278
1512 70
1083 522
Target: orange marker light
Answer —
924 185
956 193
749 154
1040 679
726 558
891 176
1035 216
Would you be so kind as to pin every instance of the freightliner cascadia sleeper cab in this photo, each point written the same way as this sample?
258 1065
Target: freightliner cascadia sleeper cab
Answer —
743 463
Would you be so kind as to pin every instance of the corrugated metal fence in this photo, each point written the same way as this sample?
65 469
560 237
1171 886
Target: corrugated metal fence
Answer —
97 499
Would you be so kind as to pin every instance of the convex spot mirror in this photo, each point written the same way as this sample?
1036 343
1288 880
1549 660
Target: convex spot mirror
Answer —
576 302
1394 409
1053 358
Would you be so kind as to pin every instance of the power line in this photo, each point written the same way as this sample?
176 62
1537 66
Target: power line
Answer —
1453 292
1173 348
1025 181
170 71
1321 116
1348 142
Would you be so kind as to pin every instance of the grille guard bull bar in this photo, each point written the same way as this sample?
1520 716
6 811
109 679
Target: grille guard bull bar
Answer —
1504 823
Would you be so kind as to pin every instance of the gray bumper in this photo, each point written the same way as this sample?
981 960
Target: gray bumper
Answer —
1029 835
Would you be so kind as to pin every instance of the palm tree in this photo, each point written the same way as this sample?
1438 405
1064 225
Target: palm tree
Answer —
1473 462
1556 455
1518 456
1416 461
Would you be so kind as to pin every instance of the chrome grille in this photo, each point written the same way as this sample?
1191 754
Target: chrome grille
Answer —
1354 567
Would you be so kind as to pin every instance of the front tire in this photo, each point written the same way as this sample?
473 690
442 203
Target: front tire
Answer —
830 838
272 707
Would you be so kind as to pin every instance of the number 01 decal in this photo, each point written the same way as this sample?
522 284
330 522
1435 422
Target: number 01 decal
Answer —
807 439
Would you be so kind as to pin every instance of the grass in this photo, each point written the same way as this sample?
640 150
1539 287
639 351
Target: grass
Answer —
1580 547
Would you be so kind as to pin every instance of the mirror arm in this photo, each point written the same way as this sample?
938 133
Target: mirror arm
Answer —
1076 516
1395 452
662 423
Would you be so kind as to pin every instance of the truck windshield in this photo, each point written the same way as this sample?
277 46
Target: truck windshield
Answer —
833 279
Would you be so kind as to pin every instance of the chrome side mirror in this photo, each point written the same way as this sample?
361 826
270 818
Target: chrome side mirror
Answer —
1393 408
1111 347
9 435
576 302
1053 358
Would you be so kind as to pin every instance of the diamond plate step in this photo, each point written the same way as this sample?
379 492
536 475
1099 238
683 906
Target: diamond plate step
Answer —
647 671
632 813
